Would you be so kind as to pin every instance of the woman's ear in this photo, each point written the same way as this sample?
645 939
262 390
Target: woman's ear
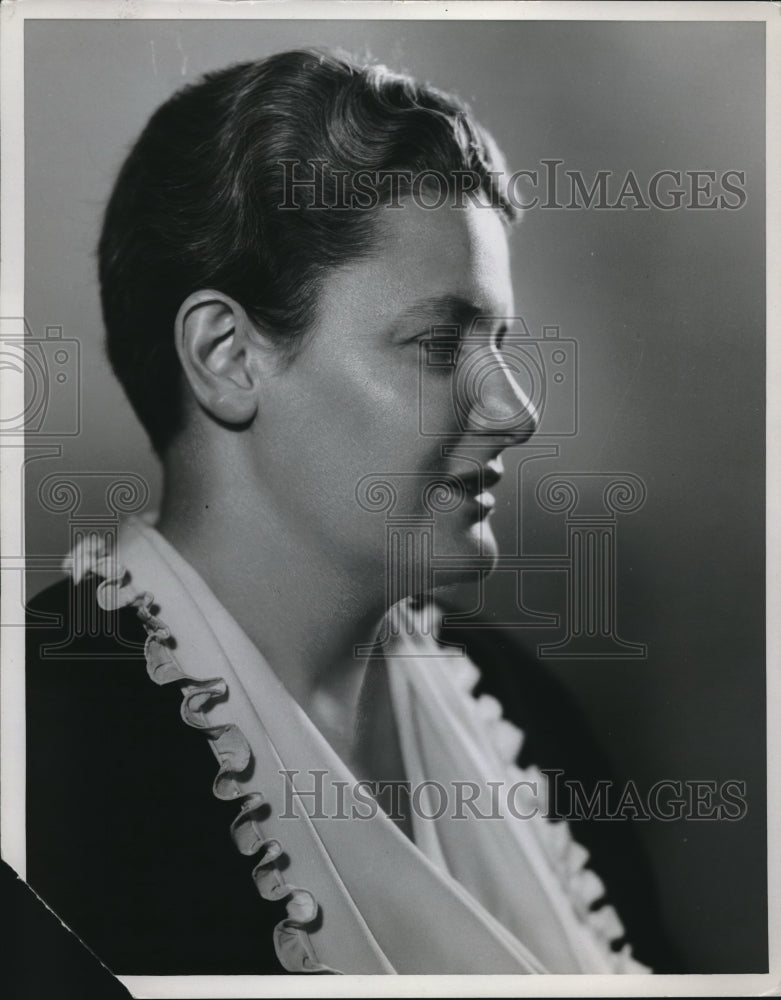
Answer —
212 336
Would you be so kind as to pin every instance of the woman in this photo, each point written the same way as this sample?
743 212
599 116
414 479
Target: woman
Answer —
276 264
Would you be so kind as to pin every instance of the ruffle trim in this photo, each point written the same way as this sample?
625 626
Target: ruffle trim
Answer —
567 857
291 938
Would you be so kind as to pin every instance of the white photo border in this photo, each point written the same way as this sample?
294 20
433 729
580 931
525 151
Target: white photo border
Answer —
13 16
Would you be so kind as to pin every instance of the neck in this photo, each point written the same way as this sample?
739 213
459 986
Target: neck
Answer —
303 608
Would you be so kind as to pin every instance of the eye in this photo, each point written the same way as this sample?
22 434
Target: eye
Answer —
443 349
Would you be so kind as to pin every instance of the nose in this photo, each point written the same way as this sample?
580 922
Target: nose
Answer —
491 400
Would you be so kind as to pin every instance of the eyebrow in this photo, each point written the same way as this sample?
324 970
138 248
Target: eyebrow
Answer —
443 307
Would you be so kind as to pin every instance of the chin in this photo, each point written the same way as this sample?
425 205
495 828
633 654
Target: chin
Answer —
478 540
460 550
483 534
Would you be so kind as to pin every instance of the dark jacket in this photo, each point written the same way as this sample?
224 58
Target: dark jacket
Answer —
128 845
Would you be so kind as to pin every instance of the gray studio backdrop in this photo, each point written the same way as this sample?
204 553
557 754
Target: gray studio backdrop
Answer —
666 309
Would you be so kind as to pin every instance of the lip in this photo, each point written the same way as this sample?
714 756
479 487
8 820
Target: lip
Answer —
486 500
482 480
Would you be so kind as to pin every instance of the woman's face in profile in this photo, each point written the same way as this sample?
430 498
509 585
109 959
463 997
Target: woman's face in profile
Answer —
366 396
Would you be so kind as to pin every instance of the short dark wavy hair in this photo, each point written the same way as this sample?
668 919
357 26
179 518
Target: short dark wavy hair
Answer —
195 204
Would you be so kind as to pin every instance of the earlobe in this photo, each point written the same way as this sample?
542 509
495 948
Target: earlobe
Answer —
211 335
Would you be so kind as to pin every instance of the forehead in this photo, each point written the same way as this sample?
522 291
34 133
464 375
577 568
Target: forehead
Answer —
422 255
446 251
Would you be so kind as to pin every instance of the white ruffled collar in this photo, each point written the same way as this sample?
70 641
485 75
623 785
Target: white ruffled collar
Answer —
498 896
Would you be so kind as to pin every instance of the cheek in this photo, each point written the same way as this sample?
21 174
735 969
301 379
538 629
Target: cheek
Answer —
379 412
338 424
